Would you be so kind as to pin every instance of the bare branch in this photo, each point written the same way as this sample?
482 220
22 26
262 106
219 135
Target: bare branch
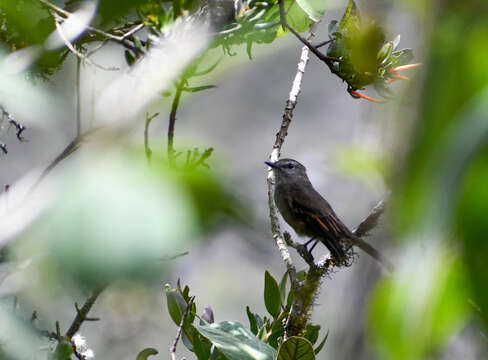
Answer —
58 22
119 39
82 314
274 156
172 349
172 119
371 220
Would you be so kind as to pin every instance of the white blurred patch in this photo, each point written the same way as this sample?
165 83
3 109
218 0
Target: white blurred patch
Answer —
73 26
130 94
20 60
19 207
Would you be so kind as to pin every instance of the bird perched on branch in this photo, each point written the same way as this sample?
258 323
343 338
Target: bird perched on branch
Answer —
309 214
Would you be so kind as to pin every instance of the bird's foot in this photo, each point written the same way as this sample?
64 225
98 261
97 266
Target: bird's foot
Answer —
305 253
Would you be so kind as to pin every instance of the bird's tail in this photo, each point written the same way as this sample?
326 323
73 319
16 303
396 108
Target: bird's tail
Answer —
371 251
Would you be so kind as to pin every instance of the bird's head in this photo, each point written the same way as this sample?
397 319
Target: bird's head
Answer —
288 170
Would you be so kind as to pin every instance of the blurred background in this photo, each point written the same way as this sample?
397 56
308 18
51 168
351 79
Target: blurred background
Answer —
104 214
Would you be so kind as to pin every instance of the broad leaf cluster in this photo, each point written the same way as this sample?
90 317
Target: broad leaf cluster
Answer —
264 339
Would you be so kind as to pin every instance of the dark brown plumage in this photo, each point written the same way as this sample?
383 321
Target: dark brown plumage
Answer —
309 214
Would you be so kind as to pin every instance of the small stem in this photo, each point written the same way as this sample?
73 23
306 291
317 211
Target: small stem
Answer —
78 98
148 150
172 119
172 349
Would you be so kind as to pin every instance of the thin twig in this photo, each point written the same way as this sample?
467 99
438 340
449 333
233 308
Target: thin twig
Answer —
82 314
370 221
68 150
119 39
172 119
148 150
58 22
172 349
78 97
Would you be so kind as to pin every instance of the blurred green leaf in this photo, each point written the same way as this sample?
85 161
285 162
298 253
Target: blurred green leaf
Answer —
296 348
25 23
290 299
17 341
473 227
443 165
116 217
315 9
296 17
441 141
415 313
322 343
272 295
312 333
283 287
361 163
145 353
112 218
253 324
236 342
63 351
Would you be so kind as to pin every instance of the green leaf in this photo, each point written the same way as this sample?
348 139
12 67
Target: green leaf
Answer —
301 275
296 348
435 293
277 332
201 347
312 333
283 287
176 305
272 295
253 324
322 343
236 342
315 9
144 354
350 20
63 351
296 17
290 299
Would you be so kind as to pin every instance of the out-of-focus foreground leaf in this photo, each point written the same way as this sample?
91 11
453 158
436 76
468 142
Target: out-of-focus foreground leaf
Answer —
117 217
17 340
451 130
414 313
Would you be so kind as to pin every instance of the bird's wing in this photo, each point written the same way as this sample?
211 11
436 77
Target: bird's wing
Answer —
321 215
321 220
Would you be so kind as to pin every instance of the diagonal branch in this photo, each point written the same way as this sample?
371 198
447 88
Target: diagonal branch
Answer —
82 313
122 39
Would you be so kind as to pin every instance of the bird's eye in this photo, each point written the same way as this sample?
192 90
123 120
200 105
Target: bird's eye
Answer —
291 166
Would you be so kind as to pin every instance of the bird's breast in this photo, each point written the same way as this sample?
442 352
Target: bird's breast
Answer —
284 201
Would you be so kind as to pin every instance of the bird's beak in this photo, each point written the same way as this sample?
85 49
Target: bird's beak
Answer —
272 164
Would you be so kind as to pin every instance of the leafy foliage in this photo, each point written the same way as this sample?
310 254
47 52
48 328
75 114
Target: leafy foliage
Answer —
362 56
231 340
